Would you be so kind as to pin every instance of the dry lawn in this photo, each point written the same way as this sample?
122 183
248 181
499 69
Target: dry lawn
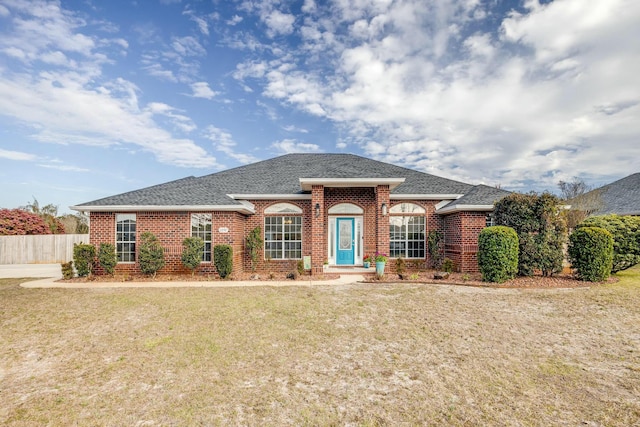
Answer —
361 355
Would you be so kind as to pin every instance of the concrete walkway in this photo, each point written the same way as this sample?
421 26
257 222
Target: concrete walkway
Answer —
52 272
51 283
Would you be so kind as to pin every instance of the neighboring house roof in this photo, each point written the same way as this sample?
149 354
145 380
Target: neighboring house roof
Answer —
479 198
621 197
286 177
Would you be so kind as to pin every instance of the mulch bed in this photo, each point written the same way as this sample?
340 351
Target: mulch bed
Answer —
563 280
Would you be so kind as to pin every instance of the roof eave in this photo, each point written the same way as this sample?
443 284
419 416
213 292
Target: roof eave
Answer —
394 196
270 196
464 208
245 208
307 183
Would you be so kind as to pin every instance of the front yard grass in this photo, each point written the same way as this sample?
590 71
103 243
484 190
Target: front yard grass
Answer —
364 354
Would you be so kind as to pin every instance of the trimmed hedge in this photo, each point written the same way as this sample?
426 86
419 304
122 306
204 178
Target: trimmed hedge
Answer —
625 231
223 259
84 258
591 253
498 253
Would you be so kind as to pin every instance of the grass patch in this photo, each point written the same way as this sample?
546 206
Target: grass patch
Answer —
363 355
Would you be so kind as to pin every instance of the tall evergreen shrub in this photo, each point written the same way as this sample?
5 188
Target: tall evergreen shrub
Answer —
151 254
84 258
223 260
107 257
498 253
192 250
591 253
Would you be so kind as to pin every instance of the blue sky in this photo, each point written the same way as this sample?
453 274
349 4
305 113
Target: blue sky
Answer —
103 97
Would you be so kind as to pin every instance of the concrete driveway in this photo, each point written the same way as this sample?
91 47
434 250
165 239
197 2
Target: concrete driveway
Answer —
30 270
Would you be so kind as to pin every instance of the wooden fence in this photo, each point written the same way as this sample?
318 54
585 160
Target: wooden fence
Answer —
41 249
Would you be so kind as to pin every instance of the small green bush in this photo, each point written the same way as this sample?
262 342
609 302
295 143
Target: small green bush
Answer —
107 257
591 253
400 266
498 253
151 254
84 258
254 246
300 267
67 270
223 259
448 265
192 250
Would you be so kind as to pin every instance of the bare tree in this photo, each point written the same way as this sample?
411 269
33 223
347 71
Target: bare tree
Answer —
582 199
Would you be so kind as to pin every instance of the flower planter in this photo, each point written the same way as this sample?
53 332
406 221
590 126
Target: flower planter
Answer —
380 268
367 264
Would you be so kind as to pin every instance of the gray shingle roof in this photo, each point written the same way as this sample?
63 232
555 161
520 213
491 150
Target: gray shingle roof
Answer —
280 175
621 197
480 195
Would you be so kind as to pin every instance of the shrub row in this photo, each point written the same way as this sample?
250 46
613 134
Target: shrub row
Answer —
591 253
150 259
498 253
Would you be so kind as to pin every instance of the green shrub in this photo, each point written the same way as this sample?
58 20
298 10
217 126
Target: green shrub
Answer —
498 253
625 231
400 266
192 250
434 246
84 258
540 227
67 270
448 265
223 259
300 267
107 257
254 246
591 253
151 254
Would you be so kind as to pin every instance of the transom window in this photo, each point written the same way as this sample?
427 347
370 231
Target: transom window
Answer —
201 227
283 208
283 236
346 208
126 237
407 232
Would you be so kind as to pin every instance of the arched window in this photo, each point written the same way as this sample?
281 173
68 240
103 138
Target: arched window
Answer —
407 231
407 208
345 208
283 231
283 208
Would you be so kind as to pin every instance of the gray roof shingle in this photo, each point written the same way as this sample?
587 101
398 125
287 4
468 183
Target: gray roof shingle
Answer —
621 197
280 175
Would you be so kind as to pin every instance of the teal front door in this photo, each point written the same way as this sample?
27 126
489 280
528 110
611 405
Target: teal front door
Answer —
345 241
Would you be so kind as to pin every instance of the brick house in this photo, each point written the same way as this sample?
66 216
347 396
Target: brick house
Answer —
333 208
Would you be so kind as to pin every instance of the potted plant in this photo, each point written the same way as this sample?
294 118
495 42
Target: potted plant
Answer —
367 261
381 261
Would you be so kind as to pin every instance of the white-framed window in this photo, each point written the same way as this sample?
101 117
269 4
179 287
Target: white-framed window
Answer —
201 227
283 237
407 233
126 237
283 231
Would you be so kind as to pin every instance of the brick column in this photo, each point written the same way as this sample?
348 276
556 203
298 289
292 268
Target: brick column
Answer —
318 237
382 196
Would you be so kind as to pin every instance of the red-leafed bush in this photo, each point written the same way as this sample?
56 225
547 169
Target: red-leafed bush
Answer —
16 222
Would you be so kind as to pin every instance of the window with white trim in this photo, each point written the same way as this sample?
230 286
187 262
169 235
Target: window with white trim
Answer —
407 232
201 227
283 233
126 237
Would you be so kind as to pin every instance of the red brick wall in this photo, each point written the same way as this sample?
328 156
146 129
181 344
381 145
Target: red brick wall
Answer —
461 239
171 228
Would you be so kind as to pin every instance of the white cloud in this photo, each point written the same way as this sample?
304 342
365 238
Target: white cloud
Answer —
414 81
223 141
279 23
16 155
64 168
202 90
80 105
235 20
293 146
